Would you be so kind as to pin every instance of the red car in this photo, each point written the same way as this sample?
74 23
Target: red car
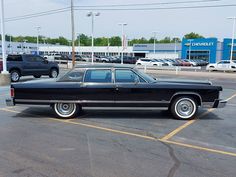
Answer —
183 62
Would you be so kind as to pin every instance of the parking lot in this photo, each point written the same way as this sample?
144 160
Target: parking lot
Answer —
116 143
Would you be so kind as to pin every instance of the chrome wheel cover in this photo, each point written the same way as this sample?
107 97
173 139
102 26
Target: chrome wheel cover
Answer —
185 108
65 109
15 76
54 73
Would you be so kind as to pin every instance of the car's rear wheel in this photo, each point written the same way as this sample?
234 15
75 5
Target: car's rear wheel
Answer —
15 75
37 76
53 73
66 110
184 107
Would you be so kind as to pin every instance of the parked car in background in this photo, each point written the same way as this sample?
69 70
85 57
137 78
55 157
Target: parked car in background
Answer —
161 61
30 65
149 62
103 59
102 85
53 57
224 65
183 62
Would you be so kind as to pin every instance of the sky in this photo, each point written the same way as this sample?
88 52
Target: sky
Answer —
209 22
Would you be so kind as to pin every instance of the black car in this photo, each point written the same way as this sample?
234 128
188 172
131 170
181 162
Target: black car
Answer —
108 85
30 65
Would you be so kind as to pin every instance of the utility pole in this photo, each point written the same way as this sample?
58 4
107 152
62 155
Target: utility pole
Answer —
3 40
4 75
73 33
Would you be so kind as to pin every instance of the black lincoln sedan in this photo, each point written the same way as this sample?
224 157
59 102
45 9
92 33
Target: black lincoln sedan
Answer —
113 85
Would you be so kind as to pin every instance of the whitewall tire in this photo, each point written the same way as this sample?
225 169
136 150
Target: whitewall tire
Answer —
184 107
66 110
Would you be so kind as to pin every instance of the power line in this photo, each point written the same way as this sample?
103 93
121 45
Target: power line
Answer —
149 4
55 11
159 8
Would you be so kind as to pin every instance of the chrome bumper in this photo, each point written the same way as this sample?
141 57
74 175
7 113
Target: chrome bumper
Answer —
10 102
216 104
219 104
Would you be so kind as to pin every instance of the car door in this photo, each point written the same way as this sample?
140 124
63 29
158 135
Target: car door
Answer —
131 90
30 67
98 88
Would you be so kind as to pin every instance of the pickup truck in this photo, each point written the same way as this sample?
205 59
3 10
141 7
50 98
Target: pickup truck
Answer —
30 65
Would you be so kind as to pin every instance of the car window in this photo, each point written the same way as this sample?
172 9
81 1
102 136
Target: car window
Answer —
100 76
72 76
14 58
126 76
32 58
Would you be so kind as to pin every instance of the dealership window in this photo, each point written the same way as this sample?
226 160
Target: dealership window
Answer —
199 54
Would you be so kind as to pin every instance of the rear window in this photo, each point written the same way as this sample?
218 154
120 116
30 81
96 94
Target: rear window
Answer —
72 76
14 58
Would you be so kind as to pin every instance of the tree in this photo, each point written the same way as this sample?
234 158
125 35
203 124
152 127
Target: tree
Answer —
192 35
115 41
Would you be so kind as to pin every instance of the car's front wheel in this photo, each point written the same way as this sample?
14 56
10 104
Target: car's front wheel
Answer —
184 107
66 110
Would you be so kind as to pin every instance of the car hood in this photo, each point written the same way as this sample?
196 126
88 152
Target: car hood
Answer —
184 81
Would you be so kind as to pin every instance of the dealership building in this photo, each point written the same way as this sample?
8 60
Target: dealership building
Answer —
209 49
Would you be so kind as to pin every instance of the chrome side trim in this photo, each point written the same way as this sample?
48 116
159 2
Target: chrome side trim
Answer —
187 93
83 101
222 104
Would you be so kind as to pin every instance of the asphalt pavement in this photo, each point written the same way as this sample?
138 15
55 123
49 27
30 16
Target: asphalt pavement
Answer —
119 143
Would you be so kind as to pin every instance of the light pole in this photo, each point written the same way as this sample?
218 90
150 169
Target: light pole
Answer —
38 31
3 40
175 45
73 33
233 36
108 45
154 41
24 46
78 38
10 45
122 41
190 45
92 15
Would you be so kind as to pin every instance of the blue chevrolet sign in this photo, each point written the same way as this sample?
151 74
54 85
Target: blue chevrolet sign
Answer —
200 48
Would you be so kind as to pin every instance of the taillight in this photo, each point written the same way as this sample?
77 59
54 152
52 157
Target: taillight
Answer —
12 92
